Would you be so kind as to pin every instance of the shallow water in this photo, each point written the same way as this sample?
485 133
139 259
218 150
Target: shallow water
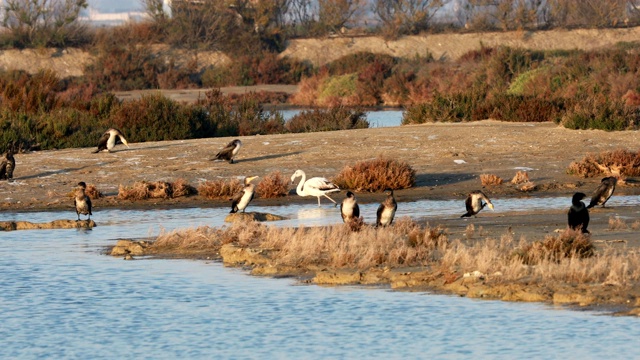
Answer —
376 118
62 298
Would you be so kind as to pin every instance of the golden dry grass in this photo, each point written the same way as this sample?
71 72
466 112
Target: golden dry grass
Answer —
142 190
520 177
636 225
182 188
528 186
220 188
92 192
490 180
619 163
615 223
569 257
273 185
376 175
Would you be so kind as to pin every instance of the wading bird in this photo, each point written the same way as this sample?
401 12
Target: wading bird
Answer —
349 208
578 215
81 201
242 199
603 192
386 210
317 186
7 165
229 152
109 139
476 201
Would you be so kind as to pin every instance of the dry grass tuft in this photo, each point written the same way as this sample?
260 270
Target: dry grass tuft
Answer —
272 186
528 186
142 190
569 244
618 163
469 231
490 179
92 192
356 224
520 177
376 175
182 188
615 223
636 225
219 189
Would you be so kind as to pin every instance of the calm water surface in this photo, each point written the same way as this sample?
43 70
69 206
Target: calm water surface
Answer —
376 118
62 298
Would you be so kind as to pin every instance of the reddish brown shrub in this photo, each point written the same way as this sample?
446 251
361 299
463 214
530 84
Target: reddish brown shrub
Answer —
490 179
610 163
570 243
376 175
272 186
220 188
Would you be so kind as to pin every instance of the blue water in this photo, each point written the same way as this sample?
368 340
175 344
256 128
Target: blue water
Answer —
376 118
61 297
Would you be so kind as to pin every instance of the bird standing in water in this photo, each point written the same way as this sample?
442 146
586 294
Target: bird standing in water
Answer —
349 208
81 201
578 215
229 152
386 210
242 199
476 201
317 186
604 191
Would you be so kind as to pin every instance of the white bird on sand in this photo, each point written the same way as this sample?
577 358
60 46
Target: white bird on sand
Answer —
316 186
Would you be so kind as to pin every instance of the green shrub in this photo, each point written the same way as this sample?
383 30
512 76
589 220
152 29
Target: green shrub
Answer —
601 114
336 118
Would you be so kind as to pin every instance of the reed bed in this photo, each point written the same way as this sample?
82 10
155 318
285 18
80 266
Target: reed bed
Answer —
568 257
490 180
618 163
376 175
273 185
220 188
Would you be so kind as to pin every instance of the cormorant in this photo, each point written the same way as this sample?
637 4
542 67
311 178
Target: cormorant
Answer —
578 214
386 210
7 165
109 139
241 200
476 201
81 201
603 192
317 186
349 208
229 151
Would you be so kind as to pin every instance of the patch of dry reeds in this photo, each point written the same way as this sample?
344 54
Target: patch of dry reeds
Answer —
520 177
142 190
182 188
528 186
568 257
220 188
615 223
636 225
618 163
92 192
490 180
273 185
376 175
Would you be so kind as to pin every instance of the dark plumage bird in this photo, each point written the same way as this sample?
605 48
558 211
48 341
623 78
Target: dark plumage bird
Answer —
242 199
81 201
229 151
603 192
109 140
386 210
476 201
349 208
578 214
7 165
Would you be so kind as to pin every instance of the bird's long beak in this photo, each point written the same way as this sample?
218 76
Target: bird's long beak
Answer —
124 141
490 205
252 178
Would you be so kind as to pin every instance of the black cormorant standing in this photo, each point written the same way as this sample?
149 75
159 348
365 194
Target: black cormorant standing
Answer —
7 165
578 214
603 192
242 199
229 151
81 201
109 139
476 201
349 208
386 210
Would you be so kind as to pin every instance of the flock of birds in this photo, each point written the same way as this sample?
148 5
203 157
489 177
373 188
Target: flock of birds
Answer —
578 214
